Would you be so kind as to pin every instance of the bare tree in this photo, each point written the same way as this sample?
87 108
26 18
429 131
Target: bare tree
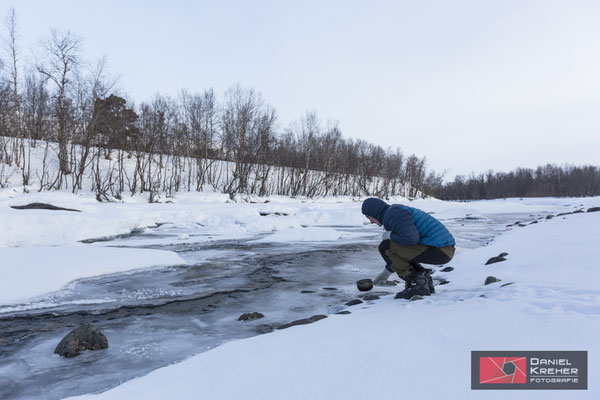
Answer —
415 174
10 44
35 109
62 59
310 130
6 152
200 112
94 86
239 120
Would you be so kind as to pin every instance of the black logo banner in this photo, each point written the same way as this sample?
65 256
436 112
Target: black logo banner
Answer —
526 370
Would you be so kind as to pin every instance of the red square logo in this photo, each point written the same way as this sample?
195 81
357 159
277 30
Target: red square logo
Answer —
508 370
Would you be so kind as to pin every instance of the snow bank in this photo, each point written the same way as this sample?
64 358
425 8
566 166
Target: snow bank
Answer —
400 349
209 212
29 272
214 216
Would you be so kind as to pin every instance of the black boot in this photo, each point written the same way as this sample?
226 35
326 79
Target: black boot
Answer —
417 284
419 268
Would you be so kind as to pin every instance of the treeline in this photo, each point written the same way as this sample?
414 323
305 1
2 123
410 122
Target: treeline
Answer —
94 138
544 181
65 125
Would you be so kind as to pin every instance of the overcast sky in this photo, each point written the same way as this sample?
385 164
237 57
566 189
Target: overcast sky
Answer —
472 85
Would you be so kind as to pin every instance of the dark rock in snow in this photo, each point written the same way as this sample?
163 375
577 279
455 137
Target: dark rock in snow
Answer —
345 312
279 214
502 254
565 213
416 297
593 209
84 337
304 321
494 260
354 302
250 316
533 222
578 212
329 288
443 282
549 216
506 284
42 206
307 291
447 269
491 279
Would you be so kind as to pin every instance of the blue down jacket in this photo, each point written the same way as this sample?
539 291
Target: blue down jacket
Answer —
408 225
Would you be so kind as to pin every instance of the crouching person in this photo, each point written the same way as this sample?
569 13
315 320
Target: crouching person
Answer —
412 238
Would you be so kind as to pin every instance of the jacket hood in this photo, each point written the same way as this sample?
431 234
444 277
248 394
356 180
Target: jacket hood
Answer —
375 208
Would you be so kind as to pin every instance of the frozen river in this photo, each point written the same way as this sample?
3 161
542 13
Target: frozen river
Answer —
159 316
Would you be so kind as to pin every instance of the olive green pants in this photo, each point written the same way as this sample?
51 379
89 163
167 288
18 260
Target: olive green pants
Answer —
400 258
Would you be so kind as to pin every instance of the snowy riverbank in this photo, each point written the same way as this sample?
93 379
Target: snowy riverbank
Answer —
396 348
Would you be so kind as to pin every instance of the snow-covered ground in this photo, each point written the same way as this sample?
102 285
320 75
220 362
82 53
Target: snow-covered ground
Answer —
385 348
399 349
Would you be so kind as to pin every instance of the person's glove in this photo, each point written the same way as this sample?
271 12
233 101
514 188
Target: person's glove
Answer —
386 235
382 277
